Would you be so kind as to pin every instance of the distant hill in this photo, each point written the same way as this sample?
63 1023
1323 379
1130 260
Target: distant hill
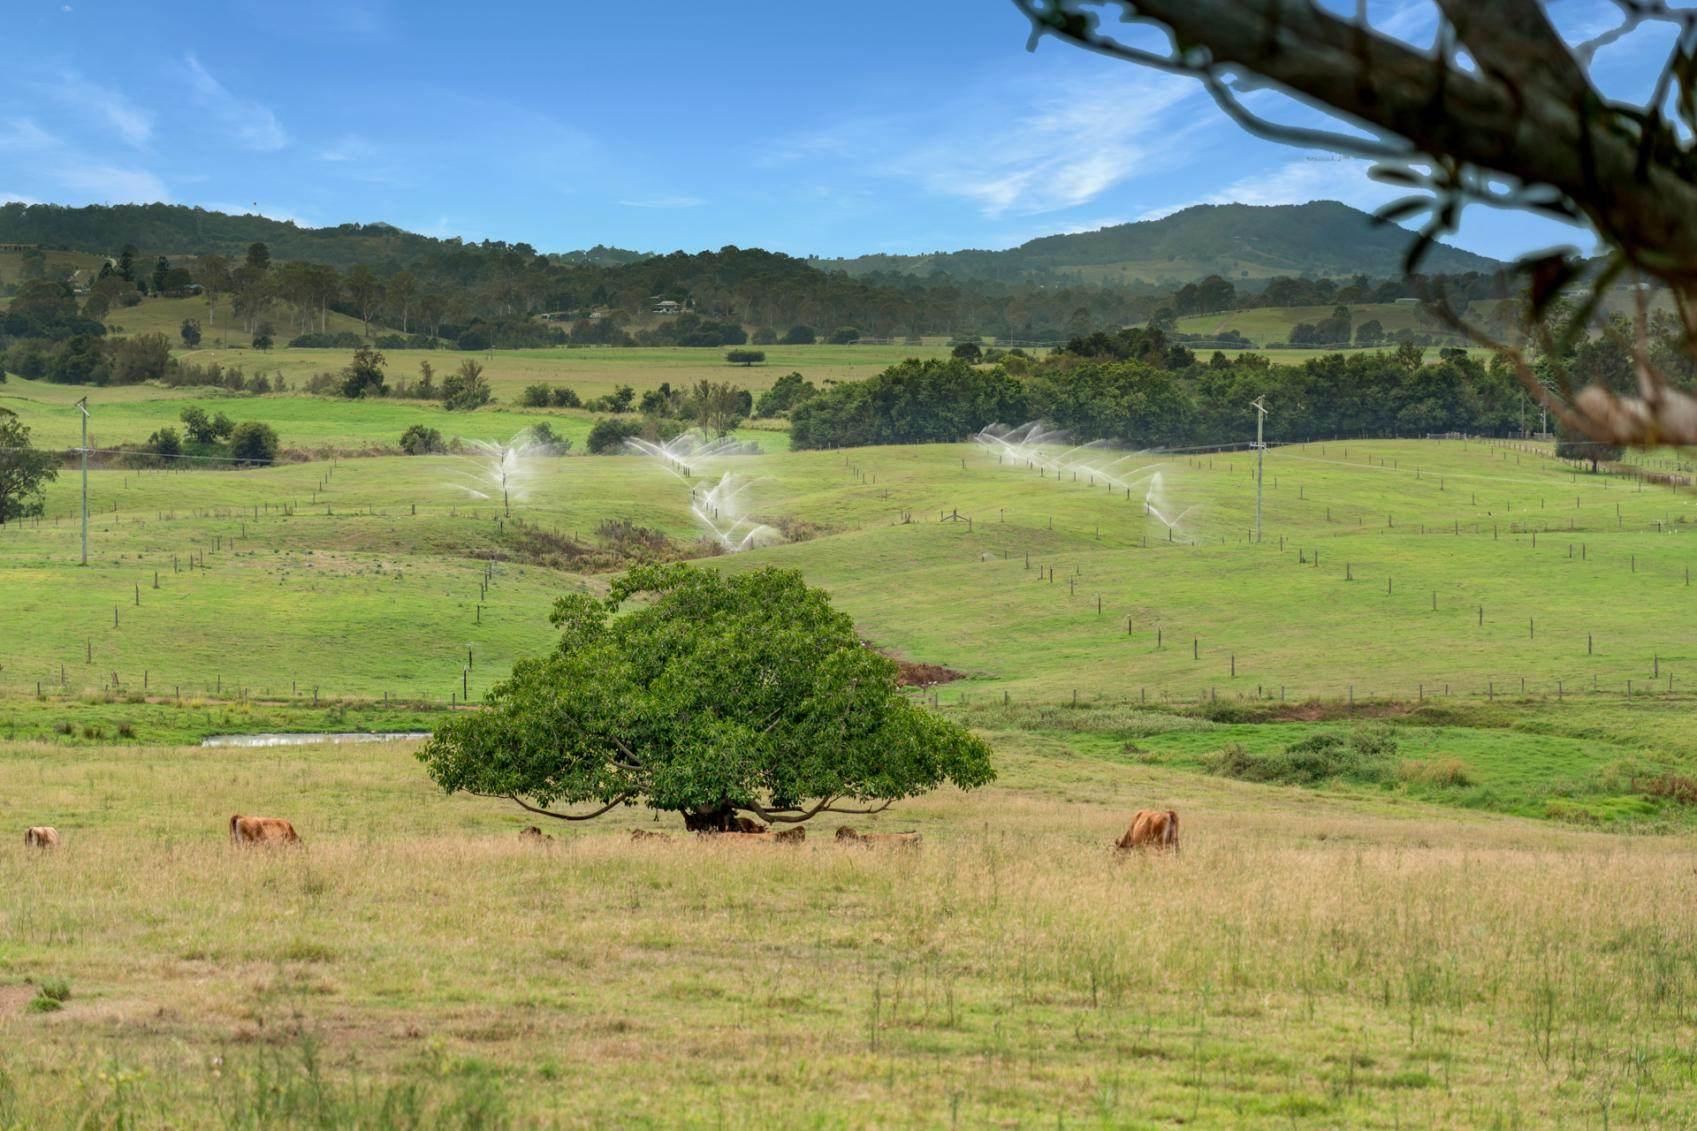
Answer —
1237 241
175 229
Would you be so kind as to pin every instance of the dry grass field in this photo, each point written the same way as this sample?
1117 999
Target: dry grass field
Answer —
1304 961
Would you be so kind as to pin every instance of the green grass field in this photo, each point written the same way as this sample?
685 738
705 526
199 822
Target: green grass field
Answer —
1486 934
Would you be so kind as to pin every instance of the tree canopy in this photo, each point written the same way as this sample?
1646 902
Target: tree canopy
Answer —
712 695
23 470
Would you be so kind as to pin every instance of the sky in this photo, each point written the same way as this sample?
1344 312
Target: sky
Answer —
831 129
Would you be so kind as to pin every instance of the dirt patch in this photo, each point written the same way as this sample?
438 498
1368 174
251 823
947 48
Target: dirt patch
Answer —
14 999
912 673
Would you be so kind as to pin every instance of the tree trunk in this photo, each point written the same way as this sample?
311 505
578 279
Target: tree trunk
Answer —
719 819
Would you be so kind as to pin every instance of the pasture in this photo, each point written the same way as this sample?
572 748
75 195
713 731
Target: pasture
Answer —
1317 954
1306 961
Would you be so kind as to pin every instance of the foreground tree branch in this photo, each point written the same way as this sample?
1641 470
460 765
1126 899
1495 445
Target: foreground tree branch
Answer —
1500 110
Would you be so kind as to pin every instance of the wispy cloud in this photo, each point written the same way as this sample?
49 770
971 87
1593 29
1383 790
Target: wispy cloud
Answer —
16 198
348 147
111 107
665 202
1070 140
251 124
23 135
1318 177
110 183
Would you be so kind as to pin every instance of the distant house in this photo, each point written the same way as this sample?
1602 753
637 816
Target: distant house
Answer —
667 306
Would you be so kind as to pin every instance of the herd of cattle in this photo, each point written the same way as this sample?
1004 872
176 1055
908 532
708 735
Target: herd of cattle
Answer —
1154 829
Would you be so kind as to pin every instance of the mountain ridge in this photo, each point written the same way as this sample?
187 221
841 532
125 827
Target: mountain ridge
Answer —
1240 242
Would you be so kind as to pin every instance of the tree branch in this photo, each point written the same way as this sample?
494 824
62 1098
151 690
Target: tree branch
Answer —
523 804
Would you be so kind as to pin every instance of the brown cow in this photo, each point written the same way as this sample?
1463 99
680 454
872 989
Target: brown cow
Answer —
791 836
749 825
531 832
261 830
41 836
897 840
649 834
1151 828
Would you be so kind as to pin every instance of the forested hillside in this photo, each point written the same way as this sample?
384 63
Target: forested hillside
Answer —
1235 241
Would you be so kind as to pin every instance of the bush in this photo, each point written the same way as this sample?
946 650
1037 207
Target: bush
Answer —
254 442
51 994
466 389
345 340
165 442
845 336
765 336
263 336
550 441
563 397
538 395
800 336
608 436
1321 757
745 358
1444 773
420 440
473 339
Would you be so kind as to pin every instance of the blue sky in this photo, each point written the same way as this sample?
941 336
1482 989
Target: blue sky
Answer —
831 129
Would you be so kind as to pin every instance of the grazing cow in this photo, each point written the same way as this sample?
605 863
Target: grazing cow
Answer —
1151 828
649 834
533 833
261 830
896 840
41 836
791 836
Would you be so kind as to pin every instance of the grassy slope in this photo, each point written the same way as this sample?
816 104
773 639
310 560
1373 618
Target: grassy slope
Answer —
1311 961
165 316
1345 956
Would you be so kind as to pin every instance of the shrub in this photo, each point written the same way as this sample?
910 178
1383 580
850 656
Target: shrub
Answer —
608 436
165 442
538 395
51 994
845 336
466 389
420 440
263 336
1321 757
765 336
254 442
550 441
562 397
745 358
1444 773
800 336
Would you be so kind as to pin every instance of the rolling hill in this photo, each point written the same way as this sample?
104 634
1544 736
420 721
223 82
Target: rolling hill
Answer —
1237 241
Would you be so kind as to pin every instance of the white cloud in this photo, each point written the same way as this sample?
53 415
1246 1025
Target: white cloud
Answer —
252 125
348 147
16 198
24 135
665 202
110 183
108 105
1319 177
1075 143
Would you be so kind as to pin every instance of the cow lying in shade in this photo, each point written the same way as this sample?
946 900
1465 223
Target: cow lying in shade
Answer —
1151 828
648 834
261 830
898 840
41 836
531 832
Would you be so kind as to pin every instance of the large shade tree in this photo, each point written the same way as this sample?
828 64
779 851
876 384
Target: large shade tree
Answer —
1500 108
711 696
24 471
